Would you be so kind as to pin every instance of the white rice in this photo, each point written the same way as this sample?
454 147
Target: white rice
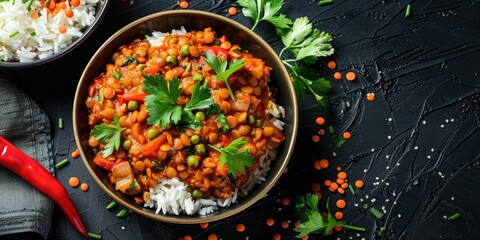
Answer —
172 196
25 39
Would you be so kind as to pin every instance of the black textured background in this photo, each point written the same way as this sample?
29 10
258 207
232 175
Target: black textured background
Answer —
416 146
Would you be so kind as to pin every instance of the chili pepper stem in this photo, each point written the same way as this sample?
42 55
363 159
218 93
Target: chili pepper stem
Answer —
35 174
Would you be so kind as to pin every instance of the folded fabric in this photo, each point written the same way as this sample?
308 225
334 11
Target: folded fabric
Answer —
25 213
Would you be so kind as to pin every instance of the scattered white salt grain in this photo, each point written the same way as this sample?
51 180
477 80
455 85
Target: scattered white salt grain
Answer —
424 122
389 137
429 157
432 149
399 215
442 126
416 147
387 156
453 198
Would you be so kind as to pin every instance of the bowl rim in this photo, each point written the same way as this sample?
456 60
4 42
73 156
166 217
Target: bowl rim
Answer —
249 201
77 42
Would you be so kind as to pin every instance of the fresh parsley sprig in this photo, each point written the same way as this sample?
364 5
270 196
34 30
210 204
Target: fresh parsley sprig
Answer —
311 220
305 43
162 102
265 10
220 65
236 161
110 134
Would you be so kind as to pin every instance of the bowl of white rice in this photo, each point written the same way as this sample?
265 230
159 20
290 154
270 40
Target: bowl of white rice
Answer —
34 32
170 200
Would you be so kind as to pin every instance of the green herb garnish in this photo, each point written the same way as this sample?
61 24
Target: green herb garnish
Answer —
311 221
236 161
162 103
110 134
220 65
222 120
33 34
265 10
376 213
130 59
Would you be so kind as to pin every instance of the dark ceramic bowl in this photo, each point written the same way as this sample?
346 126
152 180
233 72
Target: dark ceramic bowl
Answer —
100 12
191 20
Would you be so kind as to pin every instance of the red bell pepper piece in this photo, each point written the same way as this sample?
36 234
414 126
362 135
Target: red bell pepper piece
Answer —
218 51
135 93
226 140
35 174
150 149
99 160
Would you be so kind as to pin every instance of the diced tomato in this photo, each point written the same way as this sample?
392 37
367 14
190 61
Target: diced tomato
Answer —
150 149
226 140
153 69
135 93
218 51
102 162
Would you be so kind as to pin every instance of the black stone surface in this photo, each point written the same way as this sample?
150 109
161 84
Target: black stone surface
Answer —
416 146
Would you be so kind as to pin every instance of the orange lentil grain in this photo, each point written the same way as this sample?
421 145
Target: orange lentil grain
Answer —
270 222
350 76
317 165
74 181
73 3
69 13
320 120
359 183
341 190
347 135
62 5
34 15
62 29
344 185
285 224
277 236
339 169
331 64
338 215
84 187
370 97
328 183
285 170
286 201
204 225
338 228
305 237
75 153
321 132
319 195
324 163
341 203
337 75
342 175
183 4
315 138
240 227
232 11
212 236
340 180
187 237
315 187
334 186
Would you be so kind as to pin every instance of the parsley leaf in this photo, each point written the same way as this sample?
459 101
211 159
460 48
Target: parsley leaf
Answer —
223 123
219 65
236 161
161 104
265 10
188 120
109 134
302 81
311 221
201 98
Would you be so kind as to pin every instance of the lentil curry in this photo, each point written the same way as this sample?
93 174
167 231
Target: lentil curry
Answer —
192 106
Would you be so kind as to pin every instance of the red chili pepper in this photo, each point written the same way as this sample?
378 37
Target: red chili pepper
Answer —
218 51
35 174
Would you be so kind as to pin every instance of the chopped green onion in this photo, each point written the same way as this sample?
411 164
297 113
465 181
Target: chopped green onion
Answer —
454 216
60 123
33 34
330 129
122 213
111 205
61 163
407 11
380 231
348 104
94 236
29 6
351 189
376 213
324 2
13 34
100 97
365 205
47 2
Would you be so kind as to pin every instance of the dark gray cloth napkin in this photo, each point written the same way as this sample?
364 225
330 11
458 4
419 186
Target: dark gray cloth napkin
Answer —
24 212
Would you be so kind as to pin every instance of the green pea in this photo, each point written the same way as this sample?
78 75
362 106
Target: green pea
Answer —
216 42
152 133
195 139
200 149
258 123
200 116
197 193
117 75
171 60
173 41
192 161
251 119
127 144
140 67
185 50
197 77
132 105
